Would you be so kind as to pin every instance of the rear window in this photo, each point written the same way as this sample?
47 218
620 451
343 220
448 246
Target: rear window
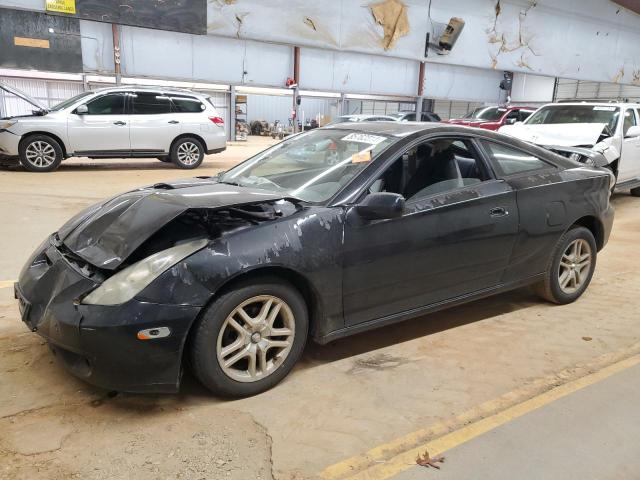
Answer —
186 104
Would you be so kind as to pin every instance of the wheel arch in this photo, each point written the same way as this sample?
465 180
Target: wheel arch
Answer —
189 135
48 134
594 225
297 281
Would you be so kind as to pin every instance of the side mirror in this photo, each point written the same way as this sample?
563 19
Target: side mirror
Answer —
378 206
633 132
510 121
82 110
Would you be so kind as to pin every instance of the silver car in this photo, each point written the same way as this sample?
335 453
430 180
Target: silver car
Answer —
173 125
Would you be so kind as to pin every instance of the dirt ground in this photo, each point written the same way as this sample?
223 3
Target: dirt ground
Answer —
342 399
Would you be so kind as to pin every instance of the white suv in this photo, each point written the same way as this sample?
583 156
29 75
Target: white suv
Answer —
611 129
173 125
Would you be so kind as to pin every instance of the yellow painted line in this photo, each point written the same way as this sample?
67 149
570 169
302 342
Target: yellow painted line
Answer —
405 460
6 283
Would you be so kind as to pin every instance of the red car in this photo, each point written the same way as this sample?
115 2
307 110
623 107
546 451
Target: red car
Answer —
492 118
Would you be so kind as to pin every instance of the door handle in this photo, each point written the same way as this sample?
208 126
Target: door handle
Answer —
173 121
498 212
119 123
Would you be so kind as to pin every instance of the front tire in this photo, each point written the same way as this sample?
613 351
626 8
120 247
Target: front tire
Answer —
187 153
250 338
40 153
570 268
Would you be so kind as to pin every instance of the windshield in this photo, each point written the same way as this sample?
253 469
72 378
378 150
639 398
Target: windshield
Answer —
70 101
575 114
311 166
487 113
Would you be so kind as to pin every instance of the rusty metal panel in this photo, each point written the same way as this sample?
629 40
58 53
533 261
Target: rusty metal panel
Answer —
34 40
188 16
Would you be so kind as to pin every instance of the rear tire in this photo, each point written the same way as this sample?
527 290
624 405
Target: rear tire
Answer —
635 192
234 354
187 153
570 268
40 153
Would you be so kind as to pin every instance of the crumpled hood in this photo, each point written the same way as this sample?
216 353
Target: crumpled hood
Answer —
105 234
562 134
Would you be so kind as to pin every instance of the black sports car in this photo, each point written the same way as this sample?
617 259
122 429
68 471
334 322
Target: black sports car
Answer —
234 272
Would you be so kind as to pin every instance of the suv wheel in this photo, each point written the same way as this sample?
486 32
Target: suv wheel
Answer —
635 192
249 338
570 268
40 153
187 153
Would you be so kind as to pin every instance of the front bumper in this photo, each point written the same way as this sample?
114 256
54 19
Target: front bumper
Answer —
99 343
9 143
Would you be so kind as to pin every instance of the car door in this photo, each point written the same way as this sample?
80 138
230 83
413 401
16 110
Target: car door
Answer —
103 129
454 238
629 165
153 125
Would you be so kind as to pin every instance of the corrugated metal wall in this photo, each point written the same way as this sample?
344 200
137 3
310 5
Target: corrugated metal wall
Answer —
454 109
274 107
47 92
579 89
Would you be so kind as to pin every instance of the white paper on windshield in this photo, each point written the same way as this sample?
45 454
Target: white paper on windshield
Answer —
605 109
363 138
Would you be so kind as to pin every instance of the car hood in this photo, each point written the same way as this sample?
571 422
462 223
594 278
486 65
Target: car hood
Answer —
563 134
106 234
23 96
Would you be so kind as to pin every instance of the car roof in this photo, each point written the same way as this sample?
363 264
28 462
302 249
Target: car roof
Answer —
142 88
597 104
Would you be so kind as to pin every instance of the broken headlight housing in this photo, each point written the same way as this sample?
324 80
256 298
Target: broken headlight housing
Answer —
127 283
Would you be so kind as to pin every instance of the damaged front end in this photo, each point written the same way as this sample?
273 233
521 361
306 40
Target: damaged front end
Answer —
82 289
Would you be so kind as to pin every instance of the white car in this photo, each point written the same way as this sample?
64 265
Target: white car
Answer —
361 117
171 124
610 129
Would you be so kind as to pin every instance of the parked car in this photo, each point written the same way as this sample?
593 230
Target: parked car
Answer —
612 129
171 124
492 118
362 118
410 116
234 272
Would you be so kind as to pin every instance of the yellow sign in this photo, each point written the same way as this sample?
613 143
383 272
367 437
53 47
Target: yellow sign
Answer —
31 42
62 6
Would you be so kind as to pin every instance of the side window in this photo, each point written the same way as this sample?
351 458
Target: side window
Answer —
629 121
513 114
150 103
524 114
109 104
186 104
432 167
509 161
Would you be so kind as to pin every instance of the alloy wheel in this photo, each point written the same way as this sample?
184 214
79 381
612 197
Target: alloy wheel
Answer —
256 338
40 154
575 265
188 153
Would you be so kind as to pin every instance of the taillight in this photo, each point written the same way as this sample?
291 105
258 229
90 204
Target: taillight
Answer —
217 120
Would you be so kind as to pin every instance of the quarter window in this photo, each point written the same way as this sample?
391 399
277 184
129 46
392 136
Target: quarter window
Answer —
150 103
431 168
510 161
186 104
109 104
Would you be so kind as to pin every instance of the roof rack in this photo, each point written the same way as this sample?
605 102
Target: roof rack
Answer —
594 100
